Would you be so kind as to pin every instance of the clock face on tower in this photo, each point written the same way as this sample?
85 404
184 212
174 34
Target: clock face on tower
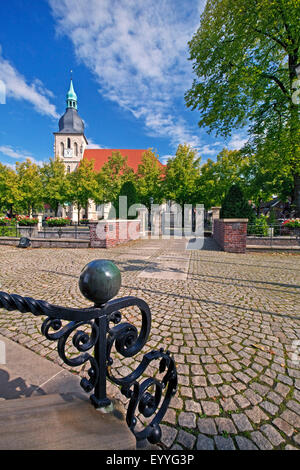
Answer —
68 153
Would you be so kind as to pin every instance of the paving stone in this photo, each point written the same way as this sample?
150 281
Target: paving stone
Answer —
275 398
191 405
170 416
225 424
241 401
297 439
210 408
245 444
269 407
204 443
199 380
273 436
224 443
291 417
256 414
284 426
168 435
186 439
282 389
207 426
241 421
226 390
294 406
200 393
176 447
253 397
187 420
261 441
215 379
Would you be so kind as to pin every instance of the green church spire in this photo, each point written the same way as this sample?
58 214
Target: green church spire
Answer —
71 97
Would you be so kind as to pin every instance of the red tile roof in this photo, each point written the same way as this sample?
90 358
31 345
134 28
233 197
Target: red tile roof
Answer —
134 156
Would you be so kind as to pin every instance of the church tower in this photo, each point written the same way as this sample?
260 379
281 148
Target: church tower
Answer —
70 141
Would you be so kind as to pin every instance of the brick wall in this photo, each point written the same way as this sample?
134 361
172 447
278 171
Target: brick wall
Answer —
231 234
109 233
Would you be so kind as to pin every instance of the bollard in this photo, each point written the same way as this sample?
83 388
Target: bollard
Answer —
99 282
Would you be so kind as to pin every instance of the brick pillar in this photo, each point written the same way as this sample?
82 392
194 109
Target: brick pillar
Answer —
231 234
108 233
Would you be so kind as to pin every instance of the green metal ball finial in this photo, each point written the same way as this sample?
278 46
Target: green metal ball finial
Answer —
100 281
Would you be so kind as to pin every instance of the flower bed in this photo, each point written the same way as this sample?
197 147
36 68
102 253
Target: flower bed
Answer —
58 221
5 221
291 223
25 221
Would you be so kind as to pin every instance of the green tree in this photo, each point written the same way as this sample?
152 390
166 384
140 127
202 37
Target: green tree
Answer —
236 205
128 189
83 185
150 177
245 54
181 176
217 176
30 186
55 184
113 174
10 192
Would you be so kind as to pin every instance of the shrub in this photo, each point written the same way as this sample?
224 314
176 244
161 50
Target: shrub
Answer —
235 205
128 189
260 227
58 221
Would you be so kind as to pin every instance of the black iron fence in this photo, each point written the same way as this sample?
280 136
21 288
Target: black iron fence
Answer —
99 282
273 235
71 231
9 231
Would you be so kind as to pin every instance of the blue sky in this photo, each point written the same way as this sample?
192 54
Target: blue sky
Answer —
130 73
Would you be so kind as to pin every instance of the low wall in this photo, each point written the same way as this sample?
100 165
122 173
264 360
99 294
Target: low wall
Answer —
231 234
47 242
109 233
272 241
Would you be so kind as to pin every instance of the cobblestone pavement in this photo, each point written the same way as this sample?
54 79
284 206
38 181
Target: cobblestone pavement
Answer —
231 321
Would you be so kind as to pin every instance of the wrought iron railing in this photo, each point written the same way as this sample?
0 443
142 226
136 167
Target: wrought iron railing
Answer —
99 282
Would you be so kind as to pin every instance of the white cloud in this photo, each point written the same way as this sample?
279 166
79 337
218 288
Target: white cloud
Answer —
138 54
93 145
9 151
18 154
164 159
17 88
237 141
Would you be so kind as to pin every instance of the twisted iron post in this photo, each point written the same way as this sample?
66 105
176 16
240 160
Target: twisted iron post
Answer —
99 282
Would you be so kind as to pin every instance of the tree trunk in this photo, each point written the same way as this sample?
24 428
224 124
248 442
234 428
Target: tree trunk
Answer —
78 213
296 198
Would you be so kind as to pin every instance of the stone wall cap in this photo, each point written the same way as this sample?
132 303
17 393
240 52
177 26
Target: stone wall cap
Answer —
234 220
112 221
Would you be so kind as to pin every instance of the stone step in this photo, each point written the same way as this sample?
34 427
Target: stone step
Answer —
61 422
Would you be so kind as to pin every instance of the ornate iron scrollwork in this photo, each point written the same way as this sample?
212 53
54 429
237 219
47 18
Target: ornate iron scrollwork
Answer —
99 281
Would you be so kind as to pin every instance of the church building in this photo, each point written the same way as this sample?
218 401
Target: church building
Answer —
70 145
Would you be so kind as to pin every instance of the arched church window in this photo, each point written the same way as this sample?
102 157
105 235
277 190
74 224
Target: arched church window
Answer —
76 149
62 148
69 143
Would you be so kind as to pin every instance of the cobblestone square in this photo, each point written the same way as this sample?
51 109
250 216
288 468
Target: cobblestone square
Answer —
232 323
